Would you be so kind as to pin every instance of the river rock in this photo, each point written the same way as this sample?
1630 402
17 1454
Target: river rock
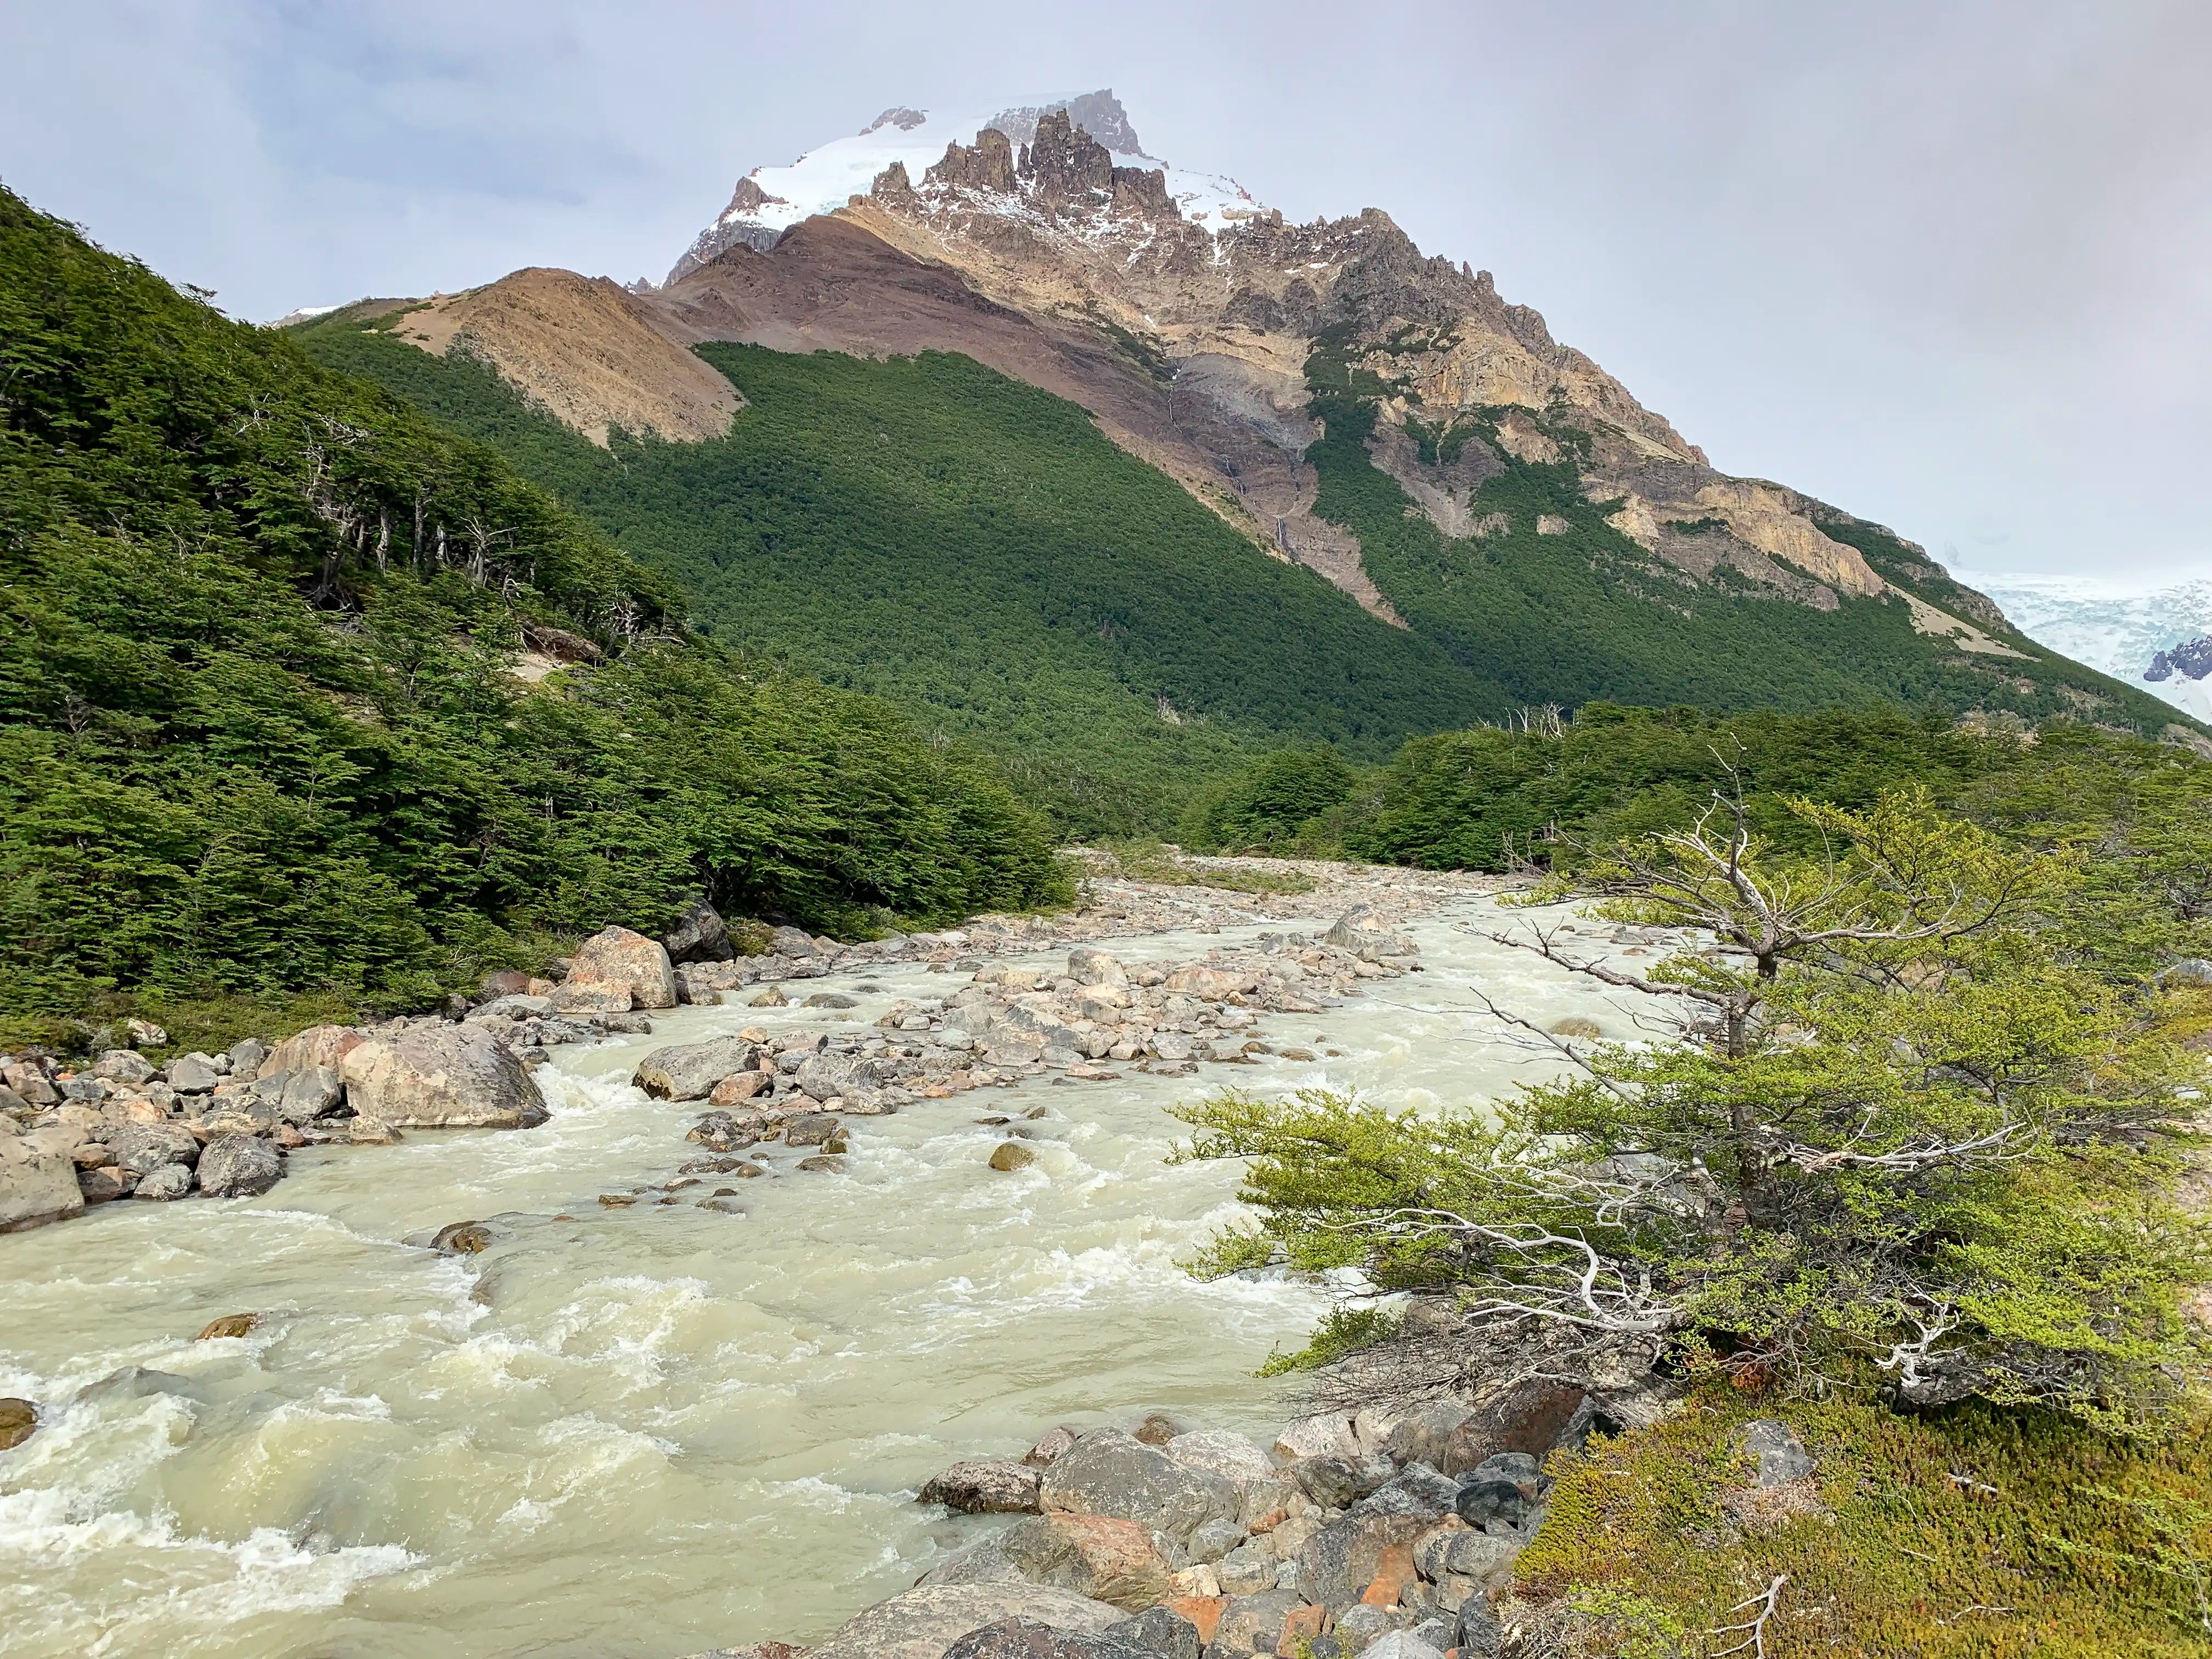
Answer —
1425 1436
689 1071
1233 1456
229 1326
142 1148
1781 1454
239 1166
1049 1447
809 1129
924 1622
1366 935
1111 1473
37 1180
1089 966
1529 1417
195 1074
1161 1632
1011 1155
125 1065
1323 1434
247 1056
312 1092
319 1045
18 1417
1336 1482
441 1077
1253 1624
698 935
1107 1560
105 1186
462 1238
1336 1566
171 1180
1028 1638
615 963
986 1486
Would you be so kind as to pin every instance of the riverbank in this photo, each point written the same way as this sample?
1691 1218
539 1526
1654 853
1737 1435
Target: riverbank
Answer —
412 1444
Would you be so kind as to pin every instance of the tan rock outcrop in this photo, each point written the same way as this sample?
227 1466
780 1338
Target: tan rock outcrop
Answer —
617 969
441 1077
582 349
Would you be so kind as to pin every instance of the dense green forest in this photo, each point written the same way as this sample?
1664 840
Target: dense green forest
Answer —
1493 797
268 727
1587 615
973 550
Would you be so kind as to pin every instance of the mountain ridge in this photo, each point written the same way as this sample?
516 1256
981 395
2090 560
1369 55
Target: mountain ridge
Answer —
1207 335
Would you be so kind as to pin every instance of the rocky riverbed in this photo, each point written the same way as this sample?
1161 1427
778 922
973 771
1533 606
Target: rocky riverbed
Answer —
403 1435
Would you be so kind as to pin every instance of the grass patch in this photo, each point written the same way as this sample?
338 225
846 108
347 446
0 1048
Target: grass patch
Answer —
1970 1532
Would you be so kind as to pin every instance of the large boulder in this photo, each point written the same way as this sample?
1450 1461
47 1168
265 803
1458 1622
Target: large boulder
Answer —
1367 936
981 1487
1106 1559
1220 1451
1252 1625
698 935
1529 1417
142 1148
1112 1473
1028 1638
319 1045
1088 965
617 969
37 1180
925 1621
239 1166
1336 1566
689 1071
441 1077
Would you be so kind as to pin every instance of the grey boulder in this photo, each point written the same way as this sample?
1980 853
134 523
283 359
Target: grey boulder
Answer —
1337 1564
171 1180
1028 1639
310 1093
1782 1455
689 1071
142 1148
1253 1624
924 1622
123 1065
986 1486
441 1077
1218 1451
1161 1632
37 1182
195 1074
1111 1473
698 935
239 1166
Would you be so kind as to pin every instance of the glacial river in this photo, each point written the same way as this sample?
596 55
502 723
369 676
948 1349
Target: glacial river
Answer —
637 1433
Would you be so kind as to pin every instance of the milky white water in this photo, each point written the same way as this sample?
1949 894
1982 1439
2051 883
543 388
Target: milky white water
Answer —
636 1433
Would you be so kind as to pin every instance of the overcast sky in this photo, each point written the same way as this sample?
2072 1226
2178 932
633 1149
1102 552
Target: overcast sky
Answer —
1949 265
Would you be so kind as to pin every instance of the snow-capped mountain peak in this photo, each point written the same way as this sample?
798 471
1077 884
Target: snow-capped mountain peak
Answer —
768 201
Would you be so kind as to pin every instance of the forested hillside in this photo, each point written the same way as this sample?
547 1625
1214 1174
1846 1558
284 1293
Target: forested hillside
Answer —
300 694
1558 605
972 549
